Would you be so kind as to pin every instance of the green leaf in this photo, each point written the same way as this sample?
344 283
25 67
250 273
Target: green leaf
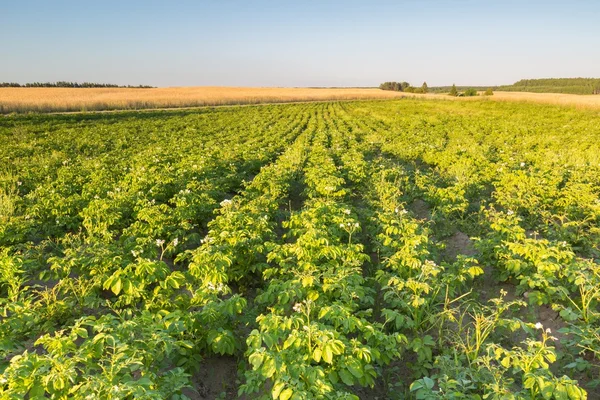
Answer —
289 341
334 377
116 286
37 390
268 340
81 332
354 368
322 312
429 383
268 369
256 359
416 385
546 388
560 392
346 377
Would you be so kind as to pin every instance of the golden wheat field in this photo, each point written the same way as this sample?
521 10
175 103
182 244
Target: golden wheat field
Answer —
67 99
576 100
21 100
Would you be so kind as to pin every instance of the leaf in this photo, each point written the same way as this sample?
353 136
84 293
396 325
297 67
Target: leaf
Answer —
327 354
337 346
429 383
256 359
346 377
475 271
575 392
289 341
322 312
81 332
354 368
128 287
116 286
546 388
268 340
268 369
144 381
334 377
286 394
550 356
416 385
317 355
307 281
560 392
277 388
37 390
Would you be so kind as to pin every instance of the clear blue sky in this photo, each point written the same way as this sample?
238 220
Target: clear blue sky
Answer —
300 43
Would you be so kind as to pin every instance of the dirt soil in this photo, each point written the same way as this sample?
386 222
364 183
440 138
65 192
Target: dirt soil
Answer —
459 243
217 376
420 209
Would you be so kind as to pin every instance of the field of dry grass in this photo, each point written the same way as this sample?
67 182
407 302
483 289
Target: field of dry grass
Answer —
21 100
67 99
576 100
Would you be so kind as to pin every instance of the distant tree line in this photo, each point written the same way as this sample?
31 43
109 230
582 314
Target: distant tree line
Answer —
451 90
404 87
469 92
446 89
555 85
62 84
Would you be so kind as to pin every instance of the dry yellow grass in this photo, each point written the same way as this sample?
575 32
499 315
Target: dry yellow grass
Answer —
576 100
66 99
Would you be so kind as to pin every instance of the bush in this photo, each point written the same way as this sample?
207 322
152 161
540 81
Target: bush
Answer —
470 92
488 92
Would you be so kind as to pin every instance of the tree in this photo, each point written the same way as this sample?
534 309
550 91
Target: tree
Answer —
396 86
471 92
424 87
489 92
453 91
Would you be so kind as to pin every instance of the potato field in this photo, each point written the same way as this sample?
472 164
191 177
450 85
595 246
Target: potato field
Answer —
389 249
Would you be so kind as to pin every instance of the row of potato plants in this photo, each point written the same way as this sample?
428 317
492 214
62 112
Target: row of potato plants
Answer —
452 174
131 217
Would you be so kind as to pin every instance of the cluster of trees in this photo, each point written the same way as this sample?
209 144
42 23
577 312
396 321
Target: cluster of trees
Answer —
469 92
453 90
556 85
62 84
404 87
396 86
